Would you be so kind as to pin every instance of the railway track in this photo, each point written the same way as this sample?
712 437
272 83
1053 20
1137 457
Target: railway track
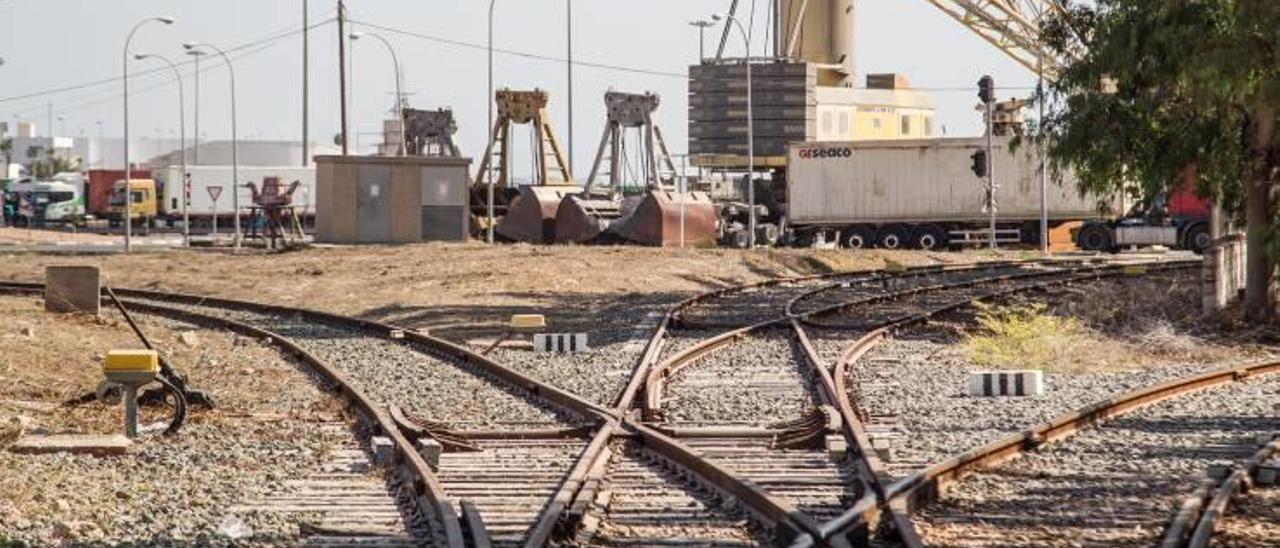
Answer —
535 463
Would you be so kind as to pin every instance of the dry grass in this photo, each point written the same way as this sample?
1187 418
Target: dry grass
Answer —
1024 336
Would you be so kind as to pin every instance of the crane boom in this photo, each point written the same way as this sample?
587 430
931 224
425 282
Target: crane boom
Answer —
1013 26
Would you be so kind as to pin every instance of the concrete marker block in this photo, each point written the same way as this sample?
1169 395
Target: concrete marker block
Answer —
1006 383
836 445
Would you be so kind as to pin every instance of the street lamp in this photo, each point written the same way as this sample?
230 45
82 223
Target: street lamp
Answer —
182 141
235 140
195 115
489 100
751 134
702 26
399 96
128 169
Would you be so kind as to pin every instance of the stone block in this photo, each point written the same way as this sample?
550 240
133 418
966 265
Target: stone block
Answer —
430 450
383 450
73 289
101 446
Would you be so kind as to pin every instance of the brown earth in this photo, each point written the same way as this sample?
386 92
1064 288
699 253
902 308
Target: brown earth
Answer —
432 284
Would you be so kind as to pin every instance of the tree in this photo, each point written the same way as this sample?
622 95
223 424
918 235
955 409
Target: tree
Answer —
6 149
52 165
1162 91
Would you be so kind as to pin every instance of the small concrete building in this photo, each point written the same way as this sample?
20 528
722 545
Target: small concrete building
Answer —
385 199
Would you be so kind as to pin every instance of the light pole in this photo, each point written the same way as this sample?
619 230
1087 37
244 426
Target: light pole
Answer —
235 141
351 85
128 169
702 36
751 135
399 96
489 100
195 147
182 142
569 67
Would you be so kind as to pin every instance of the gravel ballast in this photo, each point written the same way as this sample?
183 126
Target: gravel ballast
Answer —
1116 485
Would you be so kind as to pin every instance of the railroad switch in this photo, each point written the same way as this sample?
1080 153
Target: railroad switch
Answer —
131 369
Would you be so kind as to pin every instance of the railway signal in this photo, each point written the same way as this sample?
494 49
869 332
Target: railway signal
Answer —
980 163
987 90
987 93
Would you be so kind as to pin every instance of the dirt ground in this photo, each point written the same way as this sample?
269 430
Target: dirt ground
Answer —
262 431
434 284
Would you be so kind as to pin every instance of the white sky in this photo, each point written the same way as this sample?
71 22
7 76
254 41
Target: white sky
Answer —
55 43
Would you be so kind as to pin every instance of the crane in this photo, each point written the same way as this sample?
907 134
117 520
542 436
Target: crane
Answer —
1012 26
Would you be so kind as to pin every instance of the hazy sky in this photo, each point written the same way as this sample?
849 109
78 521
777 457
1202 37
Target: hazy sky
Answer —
48 44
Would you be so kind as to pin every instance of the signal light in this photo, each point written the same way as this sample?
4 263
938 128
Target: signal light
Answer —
980 164
987 90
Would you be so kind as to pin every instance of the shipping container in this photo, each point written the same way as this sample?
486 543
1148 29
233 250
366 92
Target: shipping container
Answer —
923 193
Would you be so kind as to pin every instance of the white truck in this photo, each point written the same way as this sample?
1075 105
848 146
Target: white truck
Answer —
201 208
48 202
921 194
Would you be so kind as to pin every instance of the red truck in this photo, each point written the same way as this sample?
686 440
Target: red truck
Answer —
1177 220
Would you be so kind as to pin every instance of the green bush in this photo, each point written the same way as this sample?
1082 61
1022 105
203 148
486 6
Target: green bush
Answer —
1022 336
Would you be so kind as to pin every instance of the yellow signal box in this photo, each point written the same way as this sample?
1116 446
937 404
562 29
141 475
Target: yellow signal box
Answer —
131 367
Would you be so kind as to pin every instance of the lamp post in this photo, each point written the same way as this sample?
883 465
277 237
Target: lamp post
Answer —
489 199
235 141
128 169
751 134
195 115
702 36
399 97
351 85
182 141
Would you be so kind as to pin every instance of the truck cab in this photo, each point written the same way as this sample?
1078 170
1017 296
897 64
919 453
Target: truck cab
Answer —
1178 220
142 198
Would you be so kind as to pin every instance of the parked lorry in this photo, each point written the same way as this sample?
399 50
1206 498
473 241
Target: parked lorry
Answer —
921 194
1177 220
42 203
159 200
99 185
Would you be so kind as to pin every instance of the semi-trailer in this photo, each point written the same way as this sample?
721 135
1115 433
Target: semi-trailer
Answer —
923 194
160 199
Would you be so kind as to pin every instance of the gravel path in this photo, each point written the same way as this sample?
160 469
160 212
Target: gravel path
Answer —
760 380
427 384
1117 485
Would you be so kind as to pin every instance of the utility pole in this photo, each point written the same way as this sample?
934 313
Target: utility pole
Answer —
569 26
342 69
306 81
987 93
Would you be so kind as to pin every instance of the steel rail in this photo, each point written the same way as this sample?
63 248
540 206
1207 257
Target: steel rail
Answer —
926 486
758 503
1194 527
429 496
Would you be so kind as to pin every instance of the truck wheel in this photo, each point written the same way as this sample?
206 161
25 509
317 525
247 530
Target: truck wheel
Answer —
893 237
1198 239
929 238
1095 238
858 237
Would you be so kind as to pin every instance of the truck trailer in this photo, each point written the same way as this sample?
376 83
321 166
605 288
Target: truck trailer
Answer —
922 194
160 199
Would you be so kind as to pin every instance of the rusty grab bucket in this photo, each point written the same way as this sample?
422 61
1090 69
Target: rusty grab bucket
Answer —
581 220
531 217
656 220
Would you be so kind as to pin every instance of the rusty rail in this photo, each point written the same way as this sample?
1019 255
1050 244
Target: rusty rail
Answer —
429 495
924 487
1194 526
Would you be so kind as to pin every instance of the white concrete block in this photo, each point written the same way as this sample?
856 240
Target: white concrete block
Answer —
1006 383
561 343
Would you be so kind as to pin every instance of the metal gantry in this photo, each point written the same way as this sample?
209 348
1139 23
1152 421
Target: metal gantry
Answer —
1013 26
